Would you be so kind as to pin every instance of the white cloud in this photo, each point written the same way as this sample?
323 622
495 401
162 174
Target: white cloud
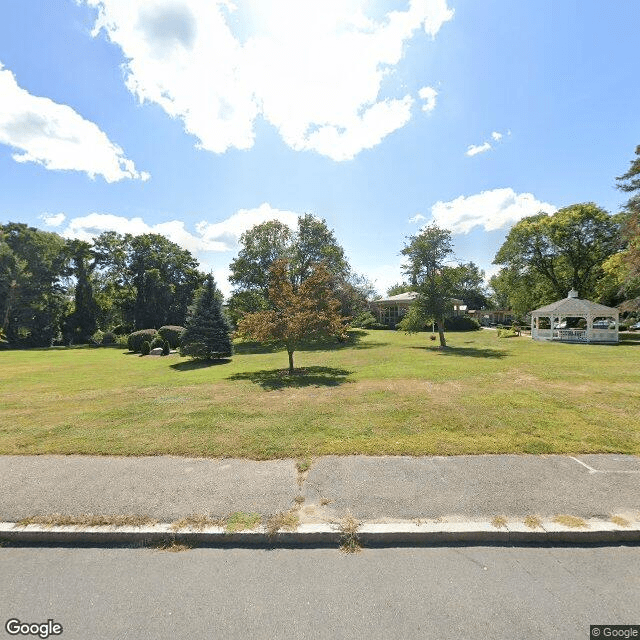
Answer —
53 220
474 150
428 94
496 135
56 136
208 236
491 210
314 70
417 218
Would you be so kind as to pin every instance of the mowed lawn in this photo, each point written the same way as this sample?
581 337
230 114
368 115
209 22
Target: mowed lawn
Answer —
384 392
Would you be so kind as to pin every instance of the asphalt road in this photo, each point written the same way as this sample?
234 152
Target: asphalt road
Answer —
464 592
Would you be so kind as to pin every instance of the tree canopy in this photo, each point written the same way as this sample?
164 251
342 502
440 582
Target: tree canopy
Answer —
311 244
629 274
544 256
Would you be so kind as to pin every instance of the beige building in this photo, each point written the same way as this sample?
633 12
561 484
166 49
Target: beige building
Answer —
391 310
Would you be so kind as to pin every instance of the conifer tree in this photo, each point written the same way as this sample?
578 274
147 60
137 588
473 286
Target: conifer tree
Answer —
206 335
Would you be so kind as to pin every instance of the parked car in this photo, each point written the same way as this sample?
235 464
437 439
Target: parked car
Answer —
635 327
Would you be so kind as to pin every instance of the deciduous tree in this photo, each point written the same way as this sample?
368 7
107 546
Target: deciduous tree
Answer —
561 252
429 275
296 314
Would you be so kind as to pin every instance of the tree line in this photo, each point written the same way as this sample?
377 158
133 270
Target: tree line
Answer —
55 290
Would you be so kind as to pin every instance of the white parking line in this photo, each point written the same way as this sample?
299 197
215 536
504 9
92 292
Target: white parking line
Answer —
592 470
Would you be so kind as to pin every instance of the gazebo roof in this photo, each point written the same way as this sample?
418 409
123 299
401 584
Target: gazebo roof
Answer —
574 306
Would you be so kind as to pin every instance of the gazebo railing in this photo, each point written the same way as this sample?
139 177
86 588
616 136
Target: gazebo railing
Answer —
570 335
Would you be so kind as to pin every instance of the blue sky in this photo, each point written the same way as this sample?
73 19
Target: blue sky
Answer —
198 118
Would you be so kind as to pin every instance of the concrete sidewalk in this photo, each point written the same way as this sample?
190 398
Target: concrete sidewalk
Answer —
386 489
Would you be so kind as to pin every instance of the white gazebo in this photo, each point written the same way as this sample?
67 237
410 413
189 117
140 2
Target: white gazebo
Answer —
575 320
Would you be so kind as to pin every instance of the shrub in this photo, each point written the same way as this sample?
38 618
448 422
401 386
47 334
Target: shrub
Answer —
366 320
122 329
171 334
109 338
506 333
461 323
166 348
135 339
145 348
157 342
96 338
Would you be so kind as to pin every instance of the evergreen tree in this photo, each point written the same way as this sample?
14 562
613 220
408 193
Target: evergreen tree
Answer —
83 322
206 335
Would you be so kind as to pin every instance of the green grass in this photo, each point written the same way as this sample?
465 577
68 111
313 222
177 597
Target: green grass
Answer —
383 392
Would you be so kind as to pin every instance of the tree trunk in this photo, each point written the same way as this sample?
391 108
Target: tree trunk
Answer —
290 362
443 342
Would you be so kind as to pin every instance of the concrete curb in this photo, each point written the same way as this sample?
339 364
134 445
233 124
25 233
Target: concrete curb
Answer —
328 535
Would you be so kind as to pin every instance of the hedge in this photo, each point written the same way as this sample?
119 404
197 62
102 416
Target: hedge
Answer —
135 339
171 334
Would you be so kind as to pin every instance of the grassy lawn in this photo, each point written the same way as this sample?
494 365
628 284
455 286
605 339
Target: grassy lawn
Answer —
383 393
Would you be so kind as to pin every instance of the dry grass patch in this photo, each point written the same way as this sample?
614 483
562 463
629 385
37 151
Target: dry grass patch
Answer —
620 521
533 522
499 522
570 521
349 540
198 522
241 521
285 520
86 520
172 546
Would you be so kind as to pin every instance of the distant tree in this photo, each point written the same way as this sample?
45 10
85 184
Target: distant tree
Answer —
82 323
629 182
427 254
561 252
470 286
206 334
262 245
146 281
295 315
33 271
398 288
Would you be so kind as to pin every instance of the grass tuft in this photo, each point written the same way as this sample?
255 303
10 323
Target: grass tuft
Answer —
570 521
533 522
197 522
499 522
620 521
241 521
172 546
349 540
303 466
286 520
86 520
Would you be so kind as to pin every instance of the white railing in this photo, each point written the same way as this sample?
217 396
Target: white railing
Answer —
570 335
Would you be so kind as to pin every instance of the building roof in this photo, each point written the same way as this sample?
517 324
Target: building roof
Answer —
407 296
574 306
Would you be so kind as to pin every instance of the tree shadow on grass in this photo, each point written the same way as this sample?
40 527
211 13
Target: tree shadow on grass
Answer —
469 352
190 365
276 379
